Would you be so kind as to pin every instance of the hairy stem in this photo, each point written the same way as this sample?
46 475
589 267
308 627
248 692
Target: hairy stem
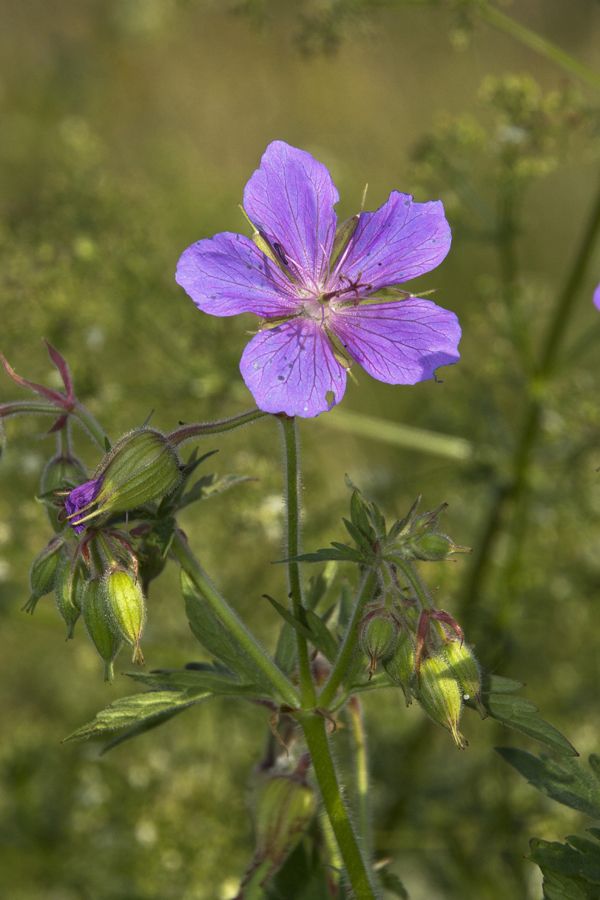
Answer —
314 728
348 648
93 428
204 429
219 605
290 441
361 766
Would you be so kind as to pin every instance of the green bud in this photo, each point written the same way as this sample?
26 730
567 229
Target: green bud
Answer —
142 466
465 669
98 623
400 666
60 473
43 572
440 696
68 589
283 808
127 608
378 636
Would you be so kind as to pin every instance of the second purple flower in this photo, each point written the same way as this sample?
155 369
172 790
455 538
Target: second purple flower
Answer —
317 294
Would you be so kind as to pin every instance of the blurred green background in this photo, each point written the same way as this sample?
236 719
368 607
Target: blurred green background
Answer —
128 131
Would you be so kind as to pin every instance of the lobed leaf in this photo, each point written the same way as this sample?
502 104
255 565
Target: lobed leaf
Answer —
568 861
193 681
568 783
326 644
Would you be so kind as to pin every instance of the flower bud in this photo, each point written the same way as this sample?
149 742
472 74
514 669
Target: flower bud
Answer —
283 807
142 466
378 636
68 588
465 669
127 608
440 696
400 666
98 623
60 472
43 572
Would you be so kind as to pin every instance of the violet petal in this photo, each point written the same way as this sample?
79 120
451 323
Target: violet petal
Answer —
291 369
228 274
399 343
290 198
79 499
597 297
401 240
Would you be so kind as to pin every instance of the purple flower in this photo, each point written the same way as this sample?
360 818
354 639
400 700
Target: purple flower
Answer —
78 501
309 292
597 297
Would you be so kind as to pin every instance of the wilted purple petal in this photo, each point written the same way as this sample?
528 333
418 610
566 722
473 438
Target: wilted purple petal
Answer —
401 240
78 500
597 297
291 197
399 343
228 274
292 369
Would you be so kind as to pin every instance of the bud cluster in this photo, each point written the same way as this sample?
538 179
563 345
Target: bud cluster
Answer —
421 648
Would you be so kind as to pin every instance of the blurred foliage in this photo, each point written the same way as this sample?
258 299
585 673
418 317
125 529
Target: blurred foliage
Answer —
128 130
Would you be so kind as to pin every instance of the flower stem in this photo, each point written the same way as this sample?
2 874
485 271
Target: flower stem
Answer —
93 428
219 605
348 647
314 728
361 765
290 442
536 42
414 581
203 429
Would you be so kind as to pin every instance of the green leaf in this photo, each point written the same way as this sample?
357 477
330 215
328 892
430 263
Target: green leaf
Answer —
325 645
285 655
193 681
521 714
135 710
302 877
212 634
495 684
568 860
326 641
209 485
337 551
164 531
359 539
168 504
142 728
568 783
393 884
562 887
319 585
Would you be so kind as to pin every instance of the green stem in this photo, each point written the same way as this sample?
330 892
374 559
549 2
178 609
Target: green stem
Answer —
361 764
348 647
204 429
290 441
193 569
25 407
93 428
414 581
314 728
533 40
508 493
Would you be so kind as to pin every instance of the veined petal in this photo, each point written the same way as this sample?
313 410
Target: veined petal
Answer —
401 240
291 369
399 343
290 198
228 274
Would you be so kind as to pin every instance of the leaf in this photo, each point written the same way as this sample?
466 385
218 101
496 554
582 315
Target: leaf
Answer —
285 655
567 860
568 783
171 502
521 714
323 634
164 530
142 728
135 710
562 887
323 645
496 684
212 634
359 539
393 884
193 681
302 876
319 585
337 551
209 485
